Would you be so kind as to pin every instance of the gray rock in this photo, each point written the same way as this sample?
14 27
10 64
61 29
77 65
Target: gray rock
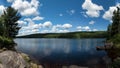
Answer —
12 59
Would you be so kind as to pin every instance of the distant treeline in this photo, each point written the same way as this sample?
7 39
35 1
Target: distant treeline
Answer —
94 34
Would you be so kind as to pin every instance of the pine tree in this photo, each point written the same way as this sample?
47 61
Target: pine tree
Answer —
116 22
11 16
109 31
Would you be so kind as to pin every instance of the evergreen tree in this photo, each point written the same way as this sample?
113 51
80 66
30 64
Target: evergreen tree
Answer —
109 31
114 28
116 22
11 16
2 27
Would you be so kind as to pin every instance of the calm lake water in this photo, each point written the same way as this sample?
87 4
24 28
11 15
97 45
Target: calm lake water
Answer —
80 52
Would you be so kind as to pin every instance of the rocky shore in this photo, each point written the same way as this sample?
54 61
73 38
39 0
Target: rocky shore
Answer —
13 59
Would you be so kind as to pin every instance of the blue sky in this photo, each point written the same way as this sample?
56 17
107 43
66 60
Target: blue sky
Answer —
58 16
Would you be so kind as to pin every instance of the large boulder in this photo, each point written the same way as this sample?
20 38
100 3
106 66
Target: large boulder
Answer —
12 59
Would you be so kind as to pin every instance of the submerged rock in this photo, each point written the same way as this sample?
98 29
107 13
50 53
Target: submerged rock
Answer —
12 59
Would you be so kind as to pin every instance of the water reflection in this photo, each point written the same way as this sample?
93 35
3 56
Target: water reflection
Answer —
64 51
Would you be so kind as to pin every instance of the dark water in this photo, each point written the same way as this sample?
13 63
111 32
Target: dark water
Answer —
80 52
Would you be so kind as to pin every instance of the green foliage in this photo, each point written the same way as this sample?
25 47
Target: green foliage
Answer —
114 36
9 21
2 27
109 31
116 40
8 28
114 28
6 43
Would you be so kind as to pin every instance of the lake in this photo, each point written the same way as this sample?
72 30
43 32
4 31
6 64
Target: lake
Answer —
64 52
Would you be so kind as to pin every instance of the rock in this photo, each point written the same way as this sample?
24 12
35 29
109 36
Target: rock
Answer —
12 59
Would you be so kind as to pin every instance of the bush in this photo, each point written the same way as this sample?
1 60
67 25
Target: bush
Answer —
116 39
6 43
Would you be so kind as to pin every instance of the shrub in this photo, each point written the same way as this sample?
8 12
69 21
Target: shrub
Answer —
6 43
116 38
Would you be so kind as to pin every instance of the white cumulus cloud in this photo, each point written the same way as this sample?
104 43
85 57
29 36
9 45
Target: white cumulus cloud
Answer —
63 31
87 28
93 10
61 28
47 24
83 28
45 31
108 14
79 27
91 22
22 23
67 26
25 7
30 21
38 18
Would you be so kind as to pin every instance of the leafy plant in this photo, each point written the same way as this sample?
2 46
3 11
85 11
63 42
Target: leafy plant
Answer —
6 43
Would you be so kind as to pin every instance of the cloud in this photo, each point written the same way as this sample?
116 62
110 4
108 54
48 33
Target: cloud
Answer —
25 7
91 22
25 30
47 24
54 29
79 27
29 28
61 28
2 8
45 31
29 11
63 31
71 12
87 28
108 14
32 27
38 18
67 26
22 23
40 28
93 10
84 28
30 21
